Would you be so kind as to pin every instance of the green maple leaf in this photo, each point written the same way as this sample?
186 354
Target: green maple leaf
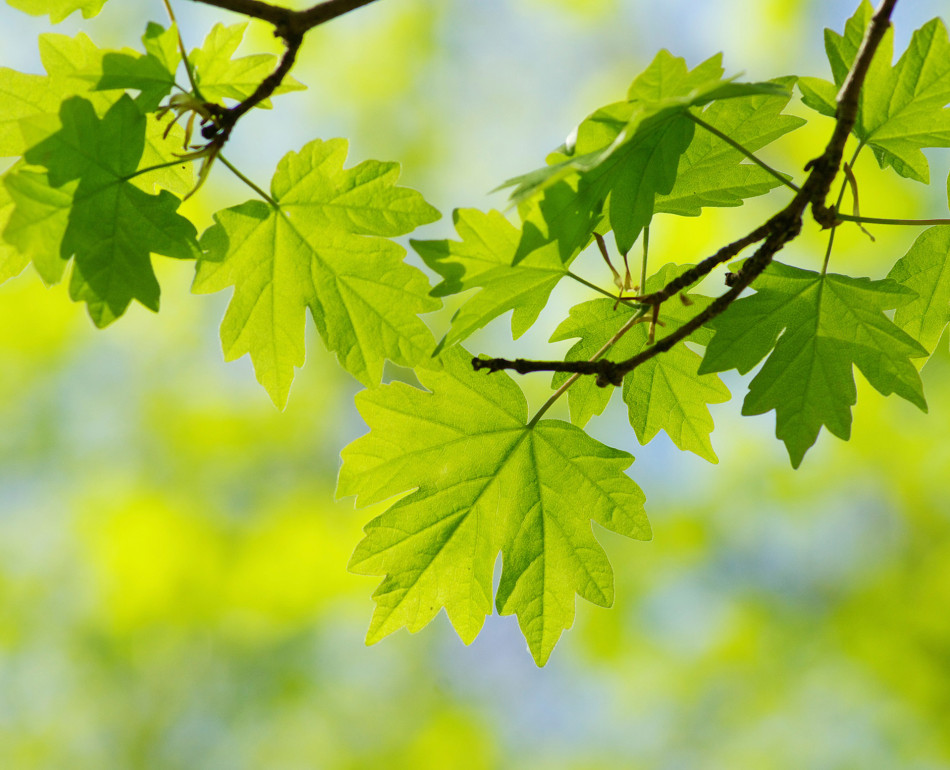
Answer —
664 393
557 215
319 249
37 225
220 77
828 324
484 481
902 108
30 111
712 172
483 259
113 226
627 153
58 9
925 270
76 67
153 74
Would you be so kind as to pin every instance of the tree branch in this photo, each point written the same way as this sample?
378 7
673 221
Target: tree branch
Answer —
777 231
291 26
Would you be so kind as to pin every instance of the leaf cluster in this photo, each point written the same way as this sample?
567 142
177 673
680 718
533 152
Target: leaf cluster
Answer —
103 159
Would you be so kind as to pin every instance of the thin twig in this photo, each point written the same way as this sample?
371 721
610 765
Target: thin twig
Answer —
637 317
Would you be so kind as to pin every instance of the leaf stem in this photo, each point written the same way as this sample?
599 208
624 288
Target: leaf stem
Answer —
844 186
643 263
884 221
184 53
783 178
606 293
575 377
231 167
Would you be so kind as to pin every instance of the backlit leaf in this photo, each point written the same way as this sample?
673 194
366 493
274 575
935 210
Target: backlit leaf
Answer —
484 481
820 326
320 248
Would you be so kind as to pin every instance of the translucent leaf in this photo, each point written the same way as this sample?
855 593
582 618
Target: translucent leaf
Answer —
814 329
483 259
320 248
221 77
484 481
113 226
925 270
665 393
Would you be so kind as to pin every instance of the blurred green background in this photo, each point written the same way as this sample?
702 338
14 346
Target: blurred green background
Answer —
173 585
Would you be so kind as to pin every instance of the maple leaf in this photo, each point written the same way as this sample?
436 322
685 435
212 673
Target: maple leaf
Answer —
557 215
112 225
76 67
484 481
713 173
828 324
665 392
627 153
319 249
58 9
925 270
220 77
153 74
903 108
37 225
483 259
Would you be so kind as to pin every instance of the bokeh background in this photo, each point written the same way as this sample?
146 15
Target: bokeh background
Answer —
173 585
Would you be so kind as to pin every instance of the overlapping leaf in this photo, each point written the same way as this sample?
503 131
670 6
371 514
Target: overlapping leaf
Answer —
36 227
152 73
828 324
221 77
664 393
925 270
903 108
320 249
483 259
112 226
712 172
627 153
484 481
77 67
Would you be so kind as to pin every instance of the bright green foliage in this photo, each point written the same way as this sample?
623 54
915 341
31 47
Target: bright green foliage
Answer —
94 186
925 270
58 9
827 324
37 226
666 392
626 154
221 77
112 225
77 67
484 481
713 173
903 108
318 249
556 215
153 74
484 259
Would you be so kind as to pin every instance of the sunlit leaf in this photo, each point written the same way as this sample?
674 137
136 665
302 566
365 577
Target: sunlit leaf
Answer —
321 249
485 481
820 326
